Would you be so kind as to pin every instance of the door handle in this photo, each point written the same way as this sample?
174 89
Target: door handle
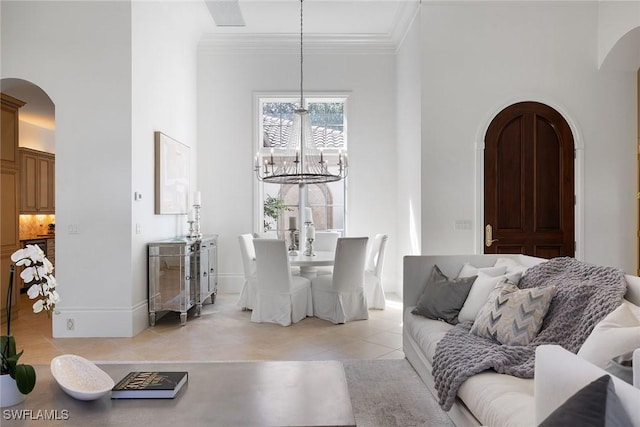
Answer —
488 236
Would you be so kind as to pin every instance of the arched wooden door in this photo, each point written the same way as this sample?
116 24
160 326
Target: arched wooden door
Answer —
529 193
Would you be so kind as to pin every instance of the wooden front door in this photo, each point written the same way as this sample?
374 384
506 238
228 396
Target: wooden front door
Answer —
529 182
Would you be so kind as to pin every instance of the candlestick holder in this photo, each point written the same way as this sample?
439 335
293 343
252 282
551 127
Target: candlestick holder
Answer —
293 248
194 225
309 249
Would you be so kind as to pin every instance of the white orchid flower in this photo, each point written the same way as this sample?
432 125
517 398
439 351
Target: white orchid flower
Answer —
34 291
38 270
28 274
42 271
54 297
51 280
35 253
19 255
48 266
38 306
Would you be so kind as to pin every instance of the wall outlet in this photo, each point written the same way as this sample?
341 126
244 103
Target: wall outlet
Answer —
71 324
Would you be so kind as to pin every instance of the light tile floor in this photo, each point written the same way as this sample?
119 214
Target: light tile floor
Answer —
222 332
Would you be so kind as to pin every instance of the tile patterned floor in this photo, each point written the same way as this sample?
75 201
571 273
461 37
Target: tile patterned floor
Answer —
223 332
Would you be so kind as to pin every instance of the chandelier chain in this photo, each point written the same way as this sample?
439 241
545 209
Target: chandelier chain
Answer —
303 163
301 58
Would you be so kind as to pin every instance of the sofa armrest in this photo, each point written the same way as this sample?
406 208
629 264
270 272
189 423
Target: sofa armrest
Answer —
559 374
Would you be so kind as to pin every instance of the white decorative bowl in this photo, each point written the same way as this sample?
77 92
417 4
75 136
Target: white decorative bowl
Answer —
80 378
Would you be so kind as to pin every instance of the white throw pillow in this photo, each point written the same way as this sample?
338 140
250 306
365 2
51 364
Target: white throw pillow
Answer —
616 334
480 291
469 270
511 265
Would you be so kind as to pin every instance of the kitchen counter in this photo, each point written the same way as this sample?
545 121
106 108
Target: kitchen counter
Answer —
37 237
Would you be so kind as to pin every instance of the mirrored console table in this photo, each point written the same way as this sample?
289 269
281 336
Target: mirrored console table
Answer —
183 273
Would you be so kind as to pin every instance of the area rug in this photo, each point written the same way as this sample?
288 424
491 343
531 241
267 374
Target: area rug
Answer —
390 393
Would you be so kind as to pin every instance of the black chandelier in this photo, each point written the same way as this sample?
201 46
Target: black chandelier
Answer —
300 161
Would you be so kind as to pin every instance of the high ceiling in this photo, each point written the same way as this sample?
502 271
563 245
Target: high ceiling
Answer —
380 19
375 17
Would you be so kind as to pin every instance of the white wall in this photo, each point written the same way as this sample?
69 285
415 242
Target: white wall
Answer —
87 56
164 41
479 58
36 137
408 204
615 19
42 42
227 84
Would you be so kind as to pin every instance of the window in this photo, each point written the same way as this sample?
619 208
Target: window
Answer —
282 201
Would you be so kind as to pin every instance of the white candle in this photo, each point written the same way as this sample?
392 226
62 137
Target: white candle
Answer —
197 200
292 223
308 215
311 232
192 215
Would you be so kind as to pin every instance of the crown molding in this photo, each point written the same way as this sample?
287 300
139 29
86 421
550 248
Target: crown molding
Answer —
290 43
406 14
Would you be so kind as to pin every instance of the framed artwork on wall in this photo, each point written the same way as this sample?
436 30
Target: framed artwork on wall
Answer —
171 175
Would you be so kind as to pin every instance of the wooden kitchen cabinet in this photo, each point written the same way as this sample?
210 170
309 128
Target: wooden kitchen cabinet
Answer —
9 187
9 128
37 182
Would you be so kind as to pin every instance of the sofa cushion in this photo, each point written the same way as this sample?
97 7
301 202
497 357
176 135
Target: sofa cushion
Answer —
511 265
469 270
498 399
443 297
596 404
425 332
616 334
479 293
513 316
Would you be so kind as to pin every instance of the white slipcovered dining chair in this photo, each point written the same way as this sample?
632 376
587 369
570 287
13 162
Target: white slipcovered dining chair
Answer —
339 297
373 289
281 297
325 241
248 294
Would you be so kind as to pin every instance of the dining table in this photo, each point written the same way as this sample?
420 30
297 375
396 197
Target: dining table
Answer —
309 263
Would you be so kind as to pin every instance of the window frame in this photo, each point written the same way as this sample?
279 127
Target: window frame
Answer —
263 97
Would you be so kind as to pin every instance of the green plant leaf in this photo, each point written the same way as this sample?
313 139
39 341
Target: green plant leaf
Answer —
25 378
8 356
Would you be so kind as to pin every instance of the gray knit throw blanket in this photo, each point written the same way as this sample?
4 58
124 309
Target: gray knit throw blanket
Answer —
585 294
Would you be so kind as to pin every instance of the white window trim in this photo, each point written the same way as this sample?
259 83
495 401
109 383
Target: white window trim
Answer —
258 196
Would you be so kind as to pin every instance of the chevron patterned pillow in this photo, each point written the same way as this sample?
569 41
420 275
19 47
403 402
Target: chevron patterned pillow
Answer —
513 316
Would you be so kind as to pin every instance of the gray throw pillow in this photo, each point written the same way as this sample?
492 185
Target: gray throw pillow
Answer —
594 405
443 297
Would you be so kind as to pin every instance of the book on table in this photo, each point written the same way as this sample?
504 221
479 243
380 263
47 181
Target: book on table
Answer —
149 385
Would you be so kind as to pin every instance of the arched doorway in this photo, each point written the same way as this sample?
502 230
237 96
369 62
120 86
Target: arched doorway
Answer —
28 179
529 194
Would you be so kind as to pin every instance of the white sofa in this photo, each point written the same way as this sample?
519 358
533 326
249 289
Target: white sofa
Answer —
490 398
